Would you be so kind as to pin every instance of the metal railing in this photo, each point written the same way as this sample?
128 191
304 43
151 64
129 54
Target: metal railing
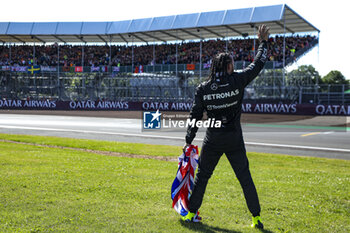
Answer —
158 68
161 87
96 86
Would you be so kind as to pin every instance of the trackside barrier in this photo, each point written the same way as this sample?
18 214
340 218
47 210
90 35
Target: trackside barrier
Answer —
119 105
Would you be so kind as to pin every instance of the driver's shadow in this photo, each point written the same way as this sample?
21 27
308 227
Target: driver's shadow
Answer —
202 227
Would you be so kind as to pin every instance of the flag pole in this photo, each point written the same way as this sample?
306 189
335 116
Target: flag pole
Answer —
176 53
254 39
34 63
82 56
226 42
132 55
154 55
58 69
10 55
200 55
110 53
284 56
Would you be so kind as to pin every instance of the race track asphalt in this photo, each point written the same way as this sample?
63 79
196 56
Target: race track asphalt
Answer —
291 138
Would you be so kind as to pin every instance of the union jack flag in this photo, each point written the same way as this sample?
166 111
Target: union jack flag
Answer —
184 180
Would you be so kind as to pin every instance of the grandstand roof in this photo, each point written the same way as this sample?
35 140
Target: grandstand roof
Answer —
215 24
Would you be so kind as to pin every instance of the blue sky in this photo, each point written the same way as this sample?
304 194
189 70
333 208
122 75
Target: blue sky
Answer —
328 16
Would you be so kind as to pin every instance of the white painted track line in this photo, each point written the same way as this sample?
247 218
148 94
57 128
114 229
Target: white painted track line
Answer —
144 135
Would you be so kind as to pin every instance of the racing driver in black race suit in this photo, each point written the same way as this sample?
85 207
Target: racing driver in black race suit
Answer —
221 97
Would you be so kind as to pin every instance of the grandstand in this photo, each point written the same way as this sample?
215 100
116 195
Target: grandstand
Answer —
171 55
120 55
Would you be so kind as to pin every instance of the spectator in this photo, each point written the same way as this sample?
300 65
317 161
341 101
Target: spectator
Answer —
188 52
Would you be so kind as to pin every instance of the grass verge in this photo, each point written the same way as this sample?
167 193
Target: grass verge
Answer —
63 190
120 147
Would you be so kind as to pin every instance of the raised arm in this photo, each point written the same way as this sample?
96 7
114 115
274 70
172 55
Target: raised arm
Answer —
249 73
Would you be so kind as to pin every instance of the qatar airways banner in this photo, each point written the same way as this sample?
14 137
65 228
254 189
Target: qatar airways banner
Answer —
264 108
297 109
92 105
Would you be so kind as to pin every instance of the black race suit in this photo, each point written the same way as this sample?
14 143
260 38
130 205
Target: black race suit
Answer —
222 98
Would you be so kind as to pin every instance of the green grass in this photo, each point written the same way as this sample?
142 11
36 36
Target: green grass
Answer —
121 147
64 190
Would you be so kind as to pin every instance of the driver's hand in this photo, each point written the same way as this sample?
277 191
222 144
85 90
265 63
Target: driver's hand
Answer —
263 32
184 147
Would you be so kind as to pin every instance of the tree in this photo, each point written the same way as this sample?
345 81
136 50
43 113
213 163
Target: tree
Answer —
269 77
335 77
304 75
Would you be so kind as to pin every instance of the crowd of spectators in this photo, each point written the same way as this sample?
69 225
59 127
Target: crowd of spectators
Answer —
121 55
